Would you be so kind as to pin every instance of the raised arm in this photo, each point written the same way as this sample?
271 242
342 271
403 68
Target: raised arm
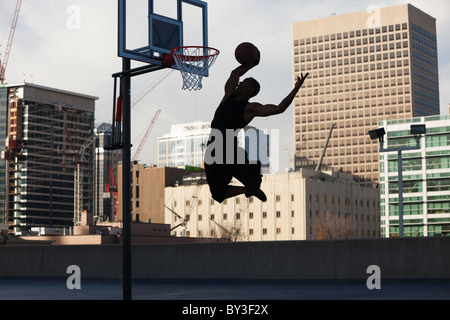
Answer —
233 80
236 74
259 110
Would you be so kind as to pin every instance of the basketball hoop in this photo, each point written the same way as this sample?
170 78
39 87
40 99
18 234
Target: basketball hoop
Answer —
193 63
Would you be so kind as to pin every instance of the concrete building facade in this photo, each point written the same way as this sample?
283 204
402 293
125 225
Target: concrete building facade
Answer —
426 179
148 191
301 205
364 67
44 130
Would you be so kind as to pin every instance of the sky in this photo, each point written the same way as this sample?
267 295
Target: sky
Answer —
72 45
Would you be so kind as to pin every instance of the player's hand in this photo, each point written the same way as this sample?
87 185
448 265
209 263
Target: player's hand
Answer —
301 80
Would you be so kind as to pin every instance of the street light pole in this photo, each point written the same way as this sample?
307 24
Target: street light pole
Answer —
400 193
417 131
400 179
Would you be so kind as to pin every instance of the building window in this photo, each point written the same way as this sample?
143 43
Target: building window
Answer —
277 198
224 216
250 231
264 231
278 230
264 215
250 215
278 214
238 216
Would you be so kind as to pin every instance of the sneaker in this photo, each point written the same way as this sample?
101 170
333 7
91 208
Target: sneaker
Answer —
258 193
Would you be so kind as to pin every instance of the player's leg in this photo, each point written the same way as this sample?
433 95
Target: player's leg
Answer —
218 178
249 174
233 191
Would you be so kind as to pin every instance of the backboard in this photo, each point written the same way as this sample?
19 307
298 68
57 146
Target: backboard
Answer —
148 29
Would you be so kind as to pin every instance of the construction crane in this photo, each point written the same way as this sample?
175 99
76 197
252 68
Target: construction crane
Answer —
9 43
187 214
319 164
78 175
147 133
112 188
183 221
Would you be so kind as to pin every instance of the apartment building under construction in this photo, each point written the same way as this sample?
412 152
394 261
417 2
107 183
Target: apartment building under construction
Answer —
46 170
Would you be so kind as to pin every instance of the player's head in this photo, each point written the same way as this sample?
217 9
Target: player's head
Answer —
249 87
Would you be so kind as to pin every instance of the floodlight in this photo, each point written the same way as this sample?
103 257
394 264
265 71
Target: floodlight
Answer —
377 134
418 129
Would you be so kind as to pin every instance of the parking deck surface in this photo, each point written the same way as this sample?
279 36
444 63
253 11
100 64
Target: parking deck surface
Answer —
236 290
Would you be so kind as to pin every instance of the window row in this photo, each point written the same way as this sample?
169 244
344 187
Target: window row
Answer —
359 45
313 67
352 34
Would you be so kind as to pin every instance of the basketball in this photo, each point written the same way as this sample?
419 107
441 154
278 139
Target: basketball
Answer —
247 54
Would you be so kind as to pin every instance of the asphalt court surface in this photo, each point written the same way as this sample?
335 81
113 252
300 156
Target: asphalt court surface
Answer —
223 290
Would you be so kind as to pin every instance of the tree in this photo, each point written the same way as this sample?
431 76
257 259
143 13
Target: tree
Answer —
328 226
229 231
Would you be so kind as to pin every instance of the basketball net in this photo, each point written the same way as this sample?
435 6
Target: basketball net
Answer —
194 63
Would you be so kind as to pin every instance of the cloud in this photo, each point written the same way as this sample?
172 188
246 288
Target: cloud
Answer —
83 59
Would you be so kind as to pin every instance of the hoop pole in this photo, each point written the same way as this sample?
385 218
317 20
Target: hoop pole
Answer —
113 131
126 177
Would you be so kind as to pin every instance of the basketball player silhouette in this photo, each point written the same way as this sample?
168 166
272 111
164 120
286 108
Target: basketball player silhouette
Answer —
236 112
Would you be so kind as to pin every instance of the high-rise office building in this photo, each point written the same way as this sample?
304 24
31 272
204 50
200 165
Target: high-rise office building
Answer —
185 145
365 67
47 132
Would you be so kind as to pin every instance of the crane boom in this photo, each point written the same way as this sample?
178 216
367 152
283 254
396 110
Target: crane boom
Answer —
319 164
147 133
9 43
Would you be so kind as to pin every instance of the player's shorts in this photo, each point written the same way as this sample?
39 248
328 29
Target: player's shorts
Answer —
219 177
